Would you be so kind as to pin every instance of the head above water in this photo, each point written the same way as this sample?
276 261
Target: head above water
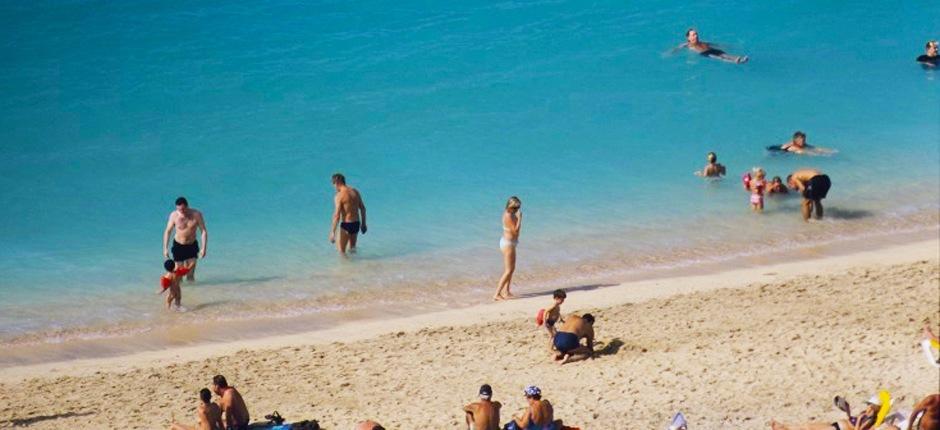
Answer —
691 35
486 392
589 318
758 172
513 204
169 265
790 182
712 157
775 180
931 48
338 179
205 395
799 138
559 294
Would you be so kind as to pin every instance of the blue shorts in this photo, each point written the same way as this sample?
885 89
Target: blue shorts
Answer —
565 341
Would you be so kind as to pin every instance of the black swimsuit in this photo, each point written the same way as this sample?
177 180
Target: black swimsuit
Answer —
350 227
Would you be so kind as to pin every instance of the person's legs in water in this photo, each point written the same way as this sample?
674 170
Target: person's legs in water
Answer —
806 206
352 242
343 241
819 208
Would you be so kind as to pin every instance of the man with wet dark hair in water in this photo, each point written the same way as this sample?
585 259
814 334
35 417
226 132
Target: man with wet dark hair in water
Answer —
187 222
706 49
930 59
349 214
234 412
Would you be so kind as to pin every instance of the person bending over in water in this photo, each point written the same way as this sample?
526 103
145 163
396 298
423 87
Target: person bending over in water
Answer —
568 338
187 222
865 421
776 186
713 169
234 412
349 213
706 49
512 223
208 414
484 414
931 59
813 185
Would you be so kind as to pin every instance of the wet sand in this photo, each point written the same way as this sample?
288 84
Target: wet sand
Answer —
731 350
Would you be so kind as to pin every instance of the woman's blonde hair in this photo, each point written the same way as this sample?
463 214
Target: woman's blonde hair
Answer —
758 171
513 202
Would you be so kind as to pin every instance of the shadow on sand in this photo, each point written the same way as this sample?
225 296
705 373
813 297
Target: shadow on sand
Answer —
22 422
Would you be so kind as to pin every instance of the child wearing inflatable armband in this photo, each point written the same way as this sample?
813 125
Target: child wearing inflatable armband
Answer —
170 281
549 316
757 186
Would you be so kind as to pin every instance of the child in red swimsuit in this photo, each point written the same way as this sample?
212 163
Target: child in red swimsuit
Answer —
170 281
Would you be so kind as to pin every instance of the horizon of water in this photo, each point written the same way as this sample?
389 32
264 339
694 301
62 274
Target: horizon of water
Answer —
437 113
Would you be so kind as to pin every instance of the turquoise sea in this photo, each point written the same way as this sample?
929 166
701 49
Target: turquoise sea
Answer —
437 112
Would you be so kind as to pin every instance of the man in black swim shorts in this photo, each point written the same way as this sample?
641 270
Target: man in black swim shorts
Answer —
349 214
813 185
187 222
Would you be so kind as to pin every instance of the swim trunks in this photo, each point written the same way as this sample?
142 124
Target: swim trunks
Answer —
757 199
185 252
929 60
712 52
350 227
817 188
565 341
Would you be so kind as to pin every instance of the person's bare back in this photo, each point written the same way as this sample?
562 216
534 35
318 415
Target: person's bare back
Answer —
349 214
485 414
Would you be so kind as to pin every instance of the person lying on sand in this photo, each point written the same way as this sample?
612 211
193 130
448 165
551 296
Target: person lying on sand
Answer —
538 415
926 414
865 421
234 412
568 338
483 414
369 425
208 414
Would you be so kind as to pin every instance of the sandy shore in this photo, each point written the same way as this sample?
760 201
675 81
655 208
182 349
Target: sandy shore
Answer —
730 350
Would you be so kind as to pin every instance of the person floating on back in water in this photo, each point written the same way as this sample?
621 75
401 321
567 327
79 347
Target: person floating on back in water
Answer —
234 412
170 281
931 59
813 186
713 169
798 145
776 186
484 414
708 49
349 213
208 414
187 222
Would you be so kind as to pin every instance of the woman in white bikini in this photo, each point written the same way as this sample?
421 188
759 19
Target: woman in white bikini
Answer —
512 223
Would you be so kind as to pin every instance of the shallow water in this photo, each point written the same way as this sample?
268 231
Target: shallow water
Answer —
437 113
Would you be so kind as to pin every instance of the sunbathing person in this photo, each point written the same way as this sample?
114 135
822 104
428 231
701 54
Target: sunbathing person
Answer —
208 414
538 415
928 410
865 421
568 338
234 412
484 414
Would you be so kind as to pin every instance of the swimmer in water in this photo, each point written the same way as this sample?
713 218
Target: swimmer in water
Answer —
798 145
776 186
931 59
708 49
713 169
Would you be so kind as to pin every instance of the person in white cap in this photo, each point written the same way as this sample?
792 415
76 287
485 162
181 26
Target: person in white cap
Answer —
484 414
865 421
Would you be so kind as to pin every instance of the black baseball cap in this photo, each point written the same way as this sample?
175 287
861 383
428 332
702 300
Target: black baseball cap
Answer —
486 391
